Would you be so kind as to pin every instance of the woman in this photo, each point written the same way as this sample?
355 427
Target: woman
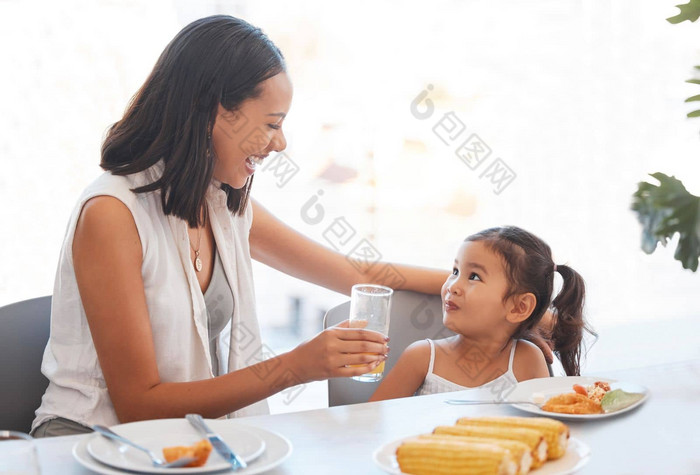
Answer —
169 231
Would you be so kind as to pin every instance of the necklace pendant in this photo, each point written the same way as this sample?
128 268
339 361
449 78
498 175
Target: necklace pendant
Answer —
198 264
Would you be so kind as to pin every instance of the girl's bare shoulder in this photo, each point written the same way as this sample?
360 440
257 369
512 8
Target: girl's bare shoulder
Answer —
417 350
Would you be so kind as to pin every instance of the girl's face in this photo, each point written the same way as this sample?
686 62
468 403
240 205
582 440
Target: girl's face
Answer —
472 296
244 137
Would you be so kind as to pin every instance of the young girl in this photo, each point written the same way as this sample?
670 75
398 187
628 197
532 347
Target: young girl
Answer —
500 288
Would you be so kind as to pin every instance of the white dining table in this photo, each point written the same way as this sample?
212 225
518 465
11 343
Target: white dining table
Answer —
662 436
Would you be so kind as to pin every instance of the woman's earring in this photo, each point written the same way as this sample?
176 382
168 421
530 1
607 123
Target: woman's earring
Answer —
208 143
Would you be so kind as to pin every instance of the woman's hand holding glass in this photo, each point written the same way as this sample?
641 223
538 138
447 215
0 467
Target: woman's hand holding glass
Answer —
339 351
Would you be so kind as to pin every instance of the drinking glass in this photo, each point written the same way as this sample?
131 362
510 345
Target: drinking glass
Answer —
17 454
370 306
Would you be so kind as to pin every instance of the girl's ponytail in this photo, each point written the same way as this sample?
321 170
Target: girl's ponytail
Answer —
569 324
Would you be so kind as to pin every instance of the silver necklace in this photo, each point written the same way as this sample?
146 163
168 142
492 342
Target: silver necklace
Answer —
197 260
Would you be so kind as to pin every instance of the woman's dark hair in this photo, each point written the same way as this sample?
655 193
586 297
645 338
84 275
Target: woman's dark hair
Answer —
217 59
530 268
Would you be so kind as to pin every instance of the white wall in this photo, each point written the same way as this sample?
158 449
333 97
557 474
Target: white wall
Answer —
581 99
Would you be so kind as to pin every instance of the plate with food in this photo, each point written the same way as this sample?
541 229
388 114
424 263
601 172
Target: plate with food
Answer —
498 445
578 397
171 439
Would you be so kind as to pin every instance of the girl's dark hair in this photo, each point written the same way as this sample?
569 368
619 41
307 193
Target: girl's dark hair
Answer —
213 60
530 268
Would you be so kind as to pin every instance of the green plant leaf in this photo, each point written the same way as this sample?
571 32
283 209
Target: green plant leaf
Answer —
694 98
693 81
665 210
689 11
694 114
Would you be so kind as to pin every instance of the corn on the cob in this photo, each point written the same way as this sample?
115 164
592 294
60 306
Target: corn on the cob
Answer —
532 438
449 457
519 450
556 433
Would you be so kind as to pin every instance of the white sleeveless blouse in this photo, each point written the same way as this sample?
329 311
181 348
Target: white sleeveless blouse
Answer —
176 306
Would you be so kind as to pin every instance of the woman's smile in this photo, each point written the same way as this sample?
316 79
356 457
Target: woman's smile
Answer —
253 162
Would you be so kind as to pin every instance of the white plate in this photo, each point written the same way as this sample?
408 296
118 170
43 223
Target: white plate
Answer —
157 434
549 387
576 456
277 448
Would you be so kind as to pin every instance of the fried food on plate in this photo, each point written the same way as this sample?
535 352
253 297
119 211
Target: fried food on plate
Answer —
572 403
200 451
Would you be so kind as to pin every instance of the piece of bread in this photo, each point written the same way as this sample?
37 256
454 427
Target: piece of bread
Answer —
200 451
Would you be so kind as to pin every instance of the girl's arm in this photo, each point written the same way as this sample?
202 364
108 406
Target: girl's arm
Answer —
279 246
407 375
107 257
529 362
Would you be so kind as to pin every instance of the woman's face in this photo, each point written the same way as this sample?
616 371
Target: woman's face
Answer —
244 137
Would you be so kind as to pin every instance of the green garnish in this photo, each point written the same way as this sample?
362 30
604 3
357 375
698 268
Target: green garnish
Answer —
618 399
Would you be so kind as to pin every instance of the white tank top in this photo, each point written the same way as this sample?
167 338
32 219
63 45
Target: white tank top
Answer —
496 389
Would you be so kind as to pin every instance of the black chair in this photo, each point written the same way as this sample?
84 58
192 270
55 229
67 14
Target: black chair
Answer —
24 331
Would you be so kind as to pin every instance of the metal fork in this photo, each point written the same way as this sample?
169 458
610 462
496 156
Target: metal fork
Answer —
469 402
157 461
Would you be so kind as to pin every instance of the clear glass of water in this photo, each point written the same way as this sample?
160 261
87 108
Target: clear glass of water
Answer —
370 307
17 454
